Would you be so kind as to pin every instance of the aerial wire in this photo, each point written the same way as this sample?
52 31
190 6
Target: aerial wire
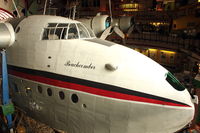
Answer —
26 8
110 9
70 13
74 9
74 12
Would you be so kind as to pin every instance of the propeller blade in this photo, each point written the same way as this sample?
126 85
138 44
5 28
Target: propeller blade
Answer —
123 41
119 32
130 30
137 28
134 26
106 33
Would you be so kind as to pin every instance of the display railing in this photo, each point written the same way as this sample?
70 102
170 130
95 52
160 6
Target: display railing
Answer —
167 41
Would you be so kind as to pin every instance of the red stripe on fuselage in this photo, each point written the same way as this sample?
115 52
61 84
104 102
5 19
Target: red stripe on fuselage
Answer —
91 90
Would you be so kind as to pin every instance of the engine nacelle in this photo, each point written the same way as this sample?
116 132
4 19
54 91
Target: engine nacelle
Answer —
98 23
124 22
7 35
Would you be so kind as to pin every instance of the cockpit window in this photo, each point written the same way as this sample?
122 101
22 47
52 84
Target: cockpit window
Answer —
52 24
174 82
63 31
91 33
62 25
83 31
58 33
52 32
72 32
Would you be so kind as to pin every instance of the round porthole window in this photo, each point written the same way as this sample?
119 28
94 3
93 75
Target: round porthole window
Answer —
84 106
62 95
74 98
18 29
49 92
39 89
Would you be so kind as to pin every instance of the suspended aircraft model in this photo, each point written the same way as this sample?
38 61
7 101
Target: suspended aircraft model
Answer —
62 75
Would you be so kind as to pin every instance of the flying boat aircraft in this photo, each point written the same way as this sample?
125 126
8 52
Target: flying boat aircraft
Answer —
65 77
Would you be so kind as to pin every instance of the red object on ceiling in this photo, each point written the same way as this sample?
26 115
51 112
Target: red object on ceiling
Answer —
4 14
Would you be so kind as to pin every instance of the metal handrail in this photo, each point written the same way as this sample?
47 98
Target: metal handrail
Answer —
170 40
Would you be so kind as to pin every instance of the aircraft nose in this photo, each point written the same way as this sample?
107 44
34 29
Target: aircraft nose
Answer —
182 115
166 119
186 115
179 117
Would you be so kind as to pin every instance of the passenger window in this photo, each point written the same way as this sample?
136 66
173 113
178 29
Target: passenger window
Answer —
72 32
39 89
83 31
74 98
18 29
61 95
49 92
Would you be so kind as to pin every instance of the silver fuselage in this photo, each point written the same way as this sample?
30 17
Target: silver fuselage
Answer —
65 84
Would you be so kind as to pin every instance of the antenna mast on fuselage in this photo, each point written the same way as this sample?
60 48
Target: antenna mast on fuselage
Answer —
72 9
45 7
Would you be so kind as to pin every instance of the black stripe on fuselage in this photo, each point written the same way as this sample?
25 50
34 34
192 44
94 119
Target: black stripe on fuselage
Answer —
90 84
